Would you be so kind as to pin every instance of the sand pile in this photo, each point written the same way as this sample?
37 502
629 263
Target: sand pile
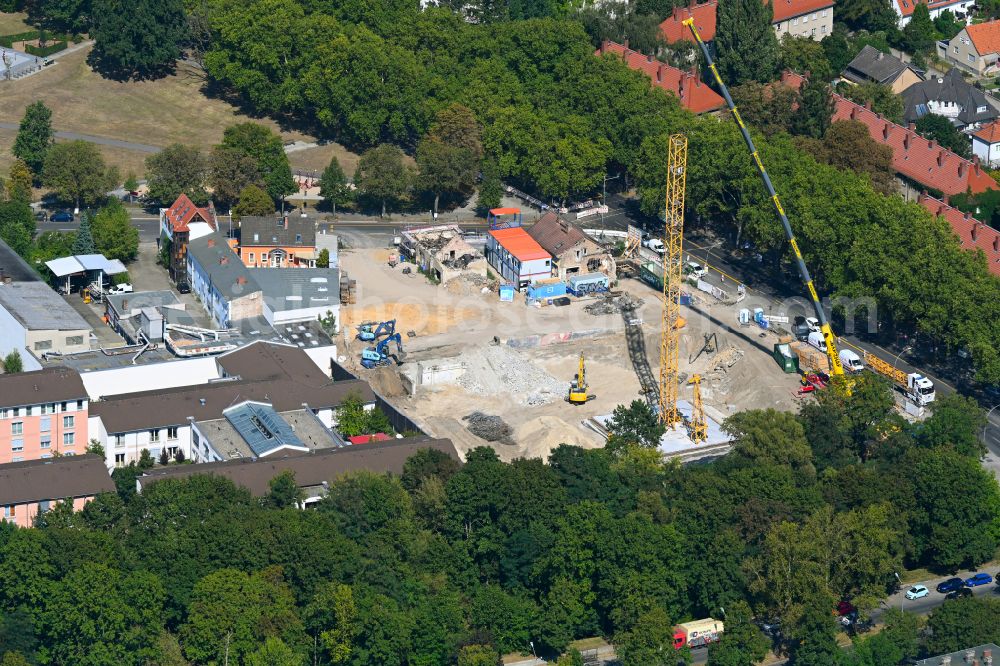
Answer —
539 436
469 284
385 381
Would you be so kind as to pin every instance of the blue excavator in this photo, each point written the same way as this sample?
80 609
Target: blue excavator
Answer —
373 357
368 332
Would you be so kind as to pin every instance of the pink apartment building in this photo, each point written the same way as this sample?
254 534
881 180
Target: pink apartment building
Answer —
35 486
42 413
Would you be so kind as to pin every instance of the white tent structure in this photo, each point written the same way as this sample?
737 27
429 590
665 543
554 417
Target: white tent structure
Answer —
85 264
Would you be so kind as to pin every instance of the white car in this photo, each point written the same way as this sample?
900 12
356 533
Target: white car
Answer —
917 592
695 270
124 288
813 324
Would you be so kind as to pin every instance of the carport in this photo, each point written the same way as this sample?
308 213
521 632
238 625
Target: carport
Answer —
93 268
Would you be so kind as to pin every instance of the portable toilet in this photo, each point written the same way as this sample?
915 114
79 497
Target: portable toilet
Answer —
786 358
507 293
743 317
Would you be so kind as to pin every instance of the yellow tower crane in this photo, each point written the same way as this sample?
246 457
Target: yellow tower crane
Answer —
698 425
673 275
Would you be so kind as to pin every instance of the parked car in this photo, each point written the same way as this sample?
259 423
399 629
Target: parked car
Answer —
981 578
960 593
917 592
124 288
845 608
695 270
42 216
183 287
950 585
61 216
813 324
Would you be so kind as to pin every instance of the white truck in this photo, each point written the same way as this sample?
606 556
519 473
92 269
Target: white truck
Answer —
918 388
654 244
851 361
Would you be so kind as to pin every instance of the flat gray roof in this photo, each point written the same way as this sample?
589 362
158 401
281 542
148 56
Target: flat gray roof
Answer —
304 433
39 308
296 288
142 299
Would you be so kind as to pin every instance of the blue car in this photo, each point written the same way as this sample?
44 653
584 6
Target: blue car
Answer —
950 585
979 579
62 216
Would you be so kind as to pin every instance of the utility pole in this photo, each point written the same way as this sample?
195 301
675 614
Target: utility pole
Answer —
228 636
604 197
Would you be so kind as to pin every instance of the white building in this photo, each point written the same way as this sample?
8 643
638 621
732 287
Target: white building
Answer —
35 320
986 144
962 9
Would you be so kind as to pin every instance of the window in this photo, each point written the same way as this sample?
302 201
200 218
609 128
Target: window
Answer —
42 345
9 511
981 109
48 409
17 411
298 238
69 438
195 438
154 435
119 440
823 29
68 421
4 413
972 58
63 407
46 456
44 506
17 445
824 13
250 257
805 19
79 404
17 428
795 21
172 432
46 441
17 459
119 459
28 410
812 33
256 238
955 48
45 424
74 339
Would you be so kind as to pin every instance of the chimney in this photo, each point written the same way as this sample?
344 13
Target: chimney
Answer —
975 164
626 45
921 196
659 74
211 242
962 168
649 59
223 261
940 157
286 221
975 228
677 13
996 247
885 132
241 280
854 112
868 105
906 141
912 127
604 46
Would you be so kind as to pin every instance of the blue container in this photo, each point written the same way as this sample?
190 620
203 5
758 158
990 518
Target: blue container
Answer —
590 283
549 290
507 293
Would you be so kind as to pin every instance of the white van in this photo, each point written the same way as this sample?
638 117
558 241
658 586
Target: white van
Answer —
817 341
851 361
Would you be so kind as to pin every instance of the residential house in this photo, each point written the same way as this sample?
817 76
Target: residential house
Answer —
803 18
874 66
973 234
800 18
180 224
35 320
33 487
42 413
962 9
949 96
277 242
573 252
313 471
986 144
442 251
517 257
694 94
975 49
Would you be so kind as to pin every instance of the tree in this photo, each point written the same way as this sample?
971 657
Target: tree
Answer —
114 235
229 171
143 42
745 42
649 643
848 145
426 463
84 242
264 146
76 171
174 170
333 186
919 34
962 624
145 460
766 107
34 137
12 363
939 128
490 188
815 109
284 492
323 260
253 202
14 659
871 15
506 618
20 182
770 437
636 424
813 633
274 652
476 655
164 458
743 643
448 156
61 15
17 226
946 25
332 616
805 55
382 175
955 421
881 97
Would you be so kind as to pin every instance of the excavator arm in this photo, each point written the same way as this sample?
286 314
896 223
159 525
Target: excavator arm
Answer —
836 367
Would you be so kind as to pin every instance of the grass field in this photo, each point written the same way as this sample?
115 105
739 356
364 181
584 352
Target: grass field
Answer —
169 110
11 24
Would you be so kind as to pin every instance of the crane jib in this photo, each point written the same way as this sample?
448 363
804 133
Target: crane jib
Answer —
831 349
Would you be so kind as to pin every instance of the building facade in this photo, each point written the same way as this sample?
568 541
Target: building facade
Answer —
442 250
874 66
573 252
960 8
803 18
277 242
986 144
30 488
975 49
34 320
180 224
42 413
949 96
517 257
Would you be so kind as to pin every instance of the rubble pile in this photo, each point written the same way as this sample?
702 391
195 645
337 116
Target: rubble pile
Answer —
614 303
500 370
490 427
469 284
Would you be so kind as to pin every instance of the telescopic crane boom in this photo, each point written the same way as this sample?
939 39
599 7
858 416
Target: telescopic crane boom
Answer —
836 367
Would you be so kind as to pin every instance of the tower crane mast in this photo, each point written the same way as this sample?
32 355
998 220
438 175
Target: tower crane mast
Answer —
673 240
836 367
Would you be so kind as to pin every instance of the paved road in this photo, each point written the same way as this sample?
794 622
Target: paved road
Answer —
100 140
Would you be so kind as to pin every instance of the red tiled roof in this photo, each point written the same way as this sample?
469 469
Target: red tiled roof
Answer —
517 241
906 6
792 80
985 36
786 9
990 132
972 233
674 30
919 159
183 212
694 95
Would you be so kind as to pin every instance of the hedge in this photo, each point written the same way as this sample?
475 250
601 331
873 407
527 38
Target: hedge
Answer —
47 51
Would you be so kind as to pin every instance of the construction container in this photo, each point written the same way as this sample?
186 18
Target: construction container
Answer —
810 358
547 289
588 283
786 358
652 274
507 292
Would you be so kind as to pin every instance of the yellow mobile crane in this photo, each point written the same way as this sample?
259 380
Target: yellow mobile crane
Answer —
836 367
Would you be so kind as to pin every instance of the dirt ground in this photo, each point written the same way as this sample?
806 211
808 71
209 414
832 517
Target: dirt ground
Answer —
12 23
451 324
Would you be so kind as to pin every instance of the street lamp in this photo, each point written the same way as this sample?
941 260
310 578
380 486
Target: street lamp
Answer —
604 197
905 350
532 644
987 424
903 596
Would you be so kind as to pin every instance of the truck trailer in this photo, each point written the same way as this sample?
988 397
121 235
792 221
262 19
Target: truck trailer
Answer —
697 633
918 388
